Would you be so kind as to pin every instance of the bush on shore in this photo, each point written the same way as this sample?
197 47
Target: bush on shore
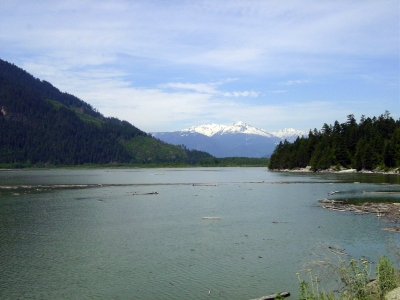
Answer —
355 277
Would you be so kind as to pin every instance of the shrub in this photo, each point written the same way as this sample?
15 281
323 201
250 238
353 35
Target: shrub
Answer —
351 278
386 276
355 277
313 293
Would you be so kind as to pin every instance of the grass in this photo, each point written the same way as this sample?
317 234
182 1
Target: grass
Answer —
386 276
355 279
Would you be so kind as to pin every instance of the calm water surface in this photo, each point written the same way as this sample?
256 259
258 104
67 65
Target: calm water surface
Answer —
99 234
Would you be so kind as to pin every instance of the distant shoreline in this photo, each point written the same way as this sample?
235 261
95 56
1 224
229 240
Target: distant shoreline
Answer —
342 171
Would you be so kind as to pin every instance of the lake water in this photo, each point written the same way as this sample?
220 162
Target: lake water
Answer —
105 234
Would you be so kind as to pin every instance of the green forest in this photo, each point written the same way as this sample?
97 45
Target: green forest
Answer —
41 126
371 143
234 162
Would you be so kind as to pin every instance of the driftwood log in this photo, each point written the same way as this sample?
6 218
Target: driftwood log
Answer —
151 193
273 296
332 201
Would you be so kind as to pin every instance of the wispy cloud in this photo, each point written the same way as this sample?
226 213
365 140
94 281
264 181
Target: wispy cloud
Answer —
278 91
204 88
290 82
242 94
208 88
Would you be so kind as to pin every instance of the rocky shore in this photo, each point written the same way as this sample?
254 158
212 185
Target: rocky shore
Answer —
388 211
335 170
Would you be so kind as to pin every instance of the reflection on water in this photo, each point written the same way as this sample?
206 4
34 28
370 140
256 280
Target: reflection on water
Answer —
79 234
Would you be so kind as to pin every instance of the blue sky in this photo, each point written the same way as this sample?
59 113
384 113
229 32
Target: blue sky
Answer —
170 64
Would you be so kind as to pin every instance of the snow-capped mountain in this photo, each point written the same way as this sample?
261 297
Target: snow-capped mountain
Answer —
239 139
237 127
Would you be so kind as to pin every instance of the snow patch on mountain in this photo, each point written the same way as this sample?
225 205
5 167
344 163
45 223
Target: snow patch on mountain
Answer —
287 132
206 129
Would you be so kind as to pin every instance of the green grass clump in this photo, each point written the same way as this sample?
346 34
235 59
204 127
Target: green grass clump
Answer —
355 277
386 276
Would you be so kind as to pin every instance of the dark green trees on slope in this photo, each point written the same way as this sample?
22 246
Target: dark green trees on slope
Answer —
368 144
41 125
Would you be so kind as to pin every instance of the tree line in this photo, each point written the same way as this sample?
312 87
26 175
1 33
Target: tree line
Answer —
234 162
368 144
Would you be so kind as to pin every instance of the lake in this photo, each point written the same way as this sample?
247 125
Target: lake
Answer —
141 233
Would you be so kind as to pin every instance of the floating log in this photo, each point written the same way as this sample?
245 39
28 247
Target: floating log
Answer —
332 201
325 200
204 184
151 193
210 218
337 250
394 229
273 296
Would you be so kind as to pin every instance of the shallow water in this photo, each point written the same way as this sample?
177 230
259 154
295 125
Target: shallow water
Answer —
99 234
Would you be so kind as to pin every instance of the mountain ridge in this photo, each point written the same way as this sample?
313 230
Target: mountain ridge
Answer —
42 126
242 127
239 139
237 127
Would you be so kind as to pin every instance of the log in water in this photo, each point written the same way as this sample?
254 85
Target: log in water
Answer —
273 296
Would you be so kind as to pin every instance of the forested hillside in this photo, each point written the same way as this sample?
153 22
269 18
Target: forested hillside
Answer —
368 144
39 125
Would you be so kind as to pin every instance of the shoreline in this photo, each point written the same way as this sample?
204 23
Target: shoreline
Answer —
343 170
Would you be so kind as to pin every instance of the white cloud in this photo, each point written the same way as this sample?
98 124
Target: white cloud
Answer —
290 82
175 106
162 110
241 35
278 91
242 94
205 88
211 88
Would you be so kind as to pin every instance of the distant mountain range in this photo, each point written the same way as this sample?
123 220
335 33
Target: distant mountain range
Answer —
239 139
